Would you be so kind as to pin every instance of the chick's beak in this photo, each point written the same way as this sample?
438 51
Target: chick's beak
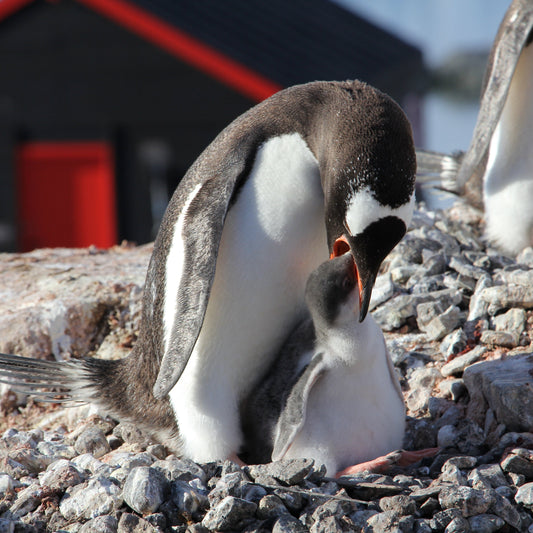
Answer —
365 285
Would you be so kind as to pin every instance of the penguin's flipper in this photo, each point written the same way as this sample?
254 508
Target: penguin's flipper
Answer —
190 237
293 415
514 34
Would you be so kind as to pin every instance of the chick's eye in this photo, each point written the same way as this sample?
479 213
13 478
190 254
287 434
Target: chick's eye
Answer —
347 284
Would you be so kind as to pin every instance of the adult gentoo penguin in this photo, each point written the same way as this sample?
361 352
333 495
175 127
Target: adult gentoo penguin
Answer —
496 172
317 169
332 394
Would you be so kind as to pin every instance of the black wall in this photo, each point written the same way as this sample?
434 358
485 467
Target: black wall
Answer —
68 73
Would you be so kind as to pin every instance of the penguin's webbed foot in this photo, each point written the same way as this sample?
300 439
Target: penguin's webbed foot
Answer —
383 463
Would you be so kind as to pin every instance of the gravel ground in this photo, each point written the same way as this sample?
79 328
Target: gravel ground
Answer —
457 318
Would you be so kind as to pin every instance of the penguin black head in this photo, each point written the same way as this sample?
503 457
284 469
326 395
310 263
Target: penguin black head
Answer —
368 179
329 288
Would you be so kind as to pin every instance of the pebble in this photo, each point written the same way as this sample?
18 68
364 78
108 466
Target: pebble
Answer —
435 297
524 495
230 513
92 441
96 497
506 386
144 489
457 365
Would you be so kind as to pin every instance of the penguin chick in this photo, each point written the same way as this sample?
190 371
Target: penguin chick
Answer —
332 395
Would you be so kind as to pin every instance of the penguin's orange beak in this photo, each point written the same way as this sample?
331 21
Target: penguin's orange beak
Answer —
340 247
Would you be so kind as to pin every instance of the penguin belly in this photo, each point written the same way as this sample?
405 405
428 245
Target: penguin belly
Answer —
273 237
354 414
508 181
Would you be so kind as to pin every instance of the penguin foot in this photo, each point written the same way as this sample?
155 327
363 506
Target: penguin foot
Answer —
383 463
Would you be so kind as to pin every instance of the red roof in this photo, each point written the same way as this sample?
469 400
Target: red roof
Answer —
174 41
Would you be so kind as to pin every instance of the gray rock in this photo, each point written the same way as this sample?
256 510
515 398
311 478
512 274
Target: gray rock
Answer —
383 290
180 469
57 450
92 441
13 438
230 513
89 463
499 338
524 495
452 388
469 501
270 506
27 501
442 324
130 523
503 508
422 526
394 313
13 468
401 274
157 450
421 384
502 297
396 350
485 523
453 343
145 489
286 523
513 321
7 526
401 504
435 264
294 501
519 461
385 522
428 311
131 433
440 520
60 475
458 525
330 516
487 476
30 459
126 462
462 461
96 497
506 386
418 284
188 500
479 307
465 268
289 471
450 473
457 365
100 524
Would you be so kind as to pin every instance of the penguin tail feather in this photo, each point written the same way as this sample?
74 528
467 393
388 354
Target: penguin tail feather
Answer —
70 382
438 171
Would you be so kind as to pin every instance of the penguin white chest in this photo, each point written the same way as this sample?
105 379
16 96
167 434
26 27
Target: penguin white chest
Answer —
508 180
273 237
